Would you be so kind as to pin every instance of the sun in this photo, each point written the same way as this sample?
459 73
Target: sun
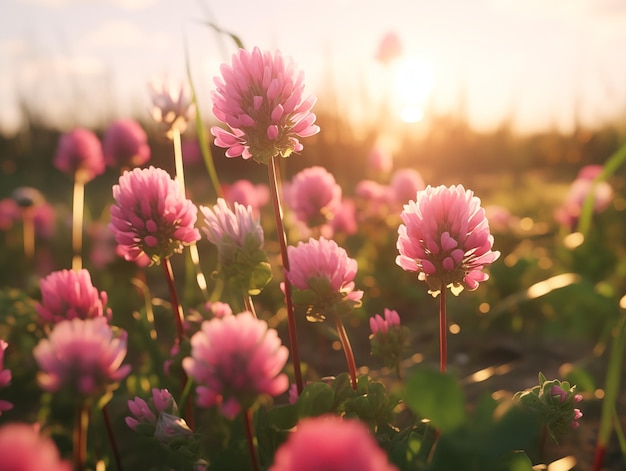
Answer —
413 83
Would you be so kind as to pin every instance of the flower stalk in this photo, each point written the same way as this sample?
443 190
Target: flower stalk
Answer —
111 435
347 349
81 425
443 331
248 423
274 180
77 222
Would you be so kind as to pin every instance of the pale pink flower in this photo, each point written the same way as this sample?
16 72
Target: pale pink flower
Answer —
379 161
246 193
5 377
125 144
345 217
79 154
589 172
569 212
324 269
405 183
84 356
372 200
314 196
151 215
219 309
44 219
234 359
192 153
260 98
389 49
331 443
69 294
172 104
445 238
22 448
102 251
391 320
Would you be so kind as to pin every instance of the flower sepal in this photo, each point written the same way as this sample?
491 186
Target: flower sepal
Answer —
321 300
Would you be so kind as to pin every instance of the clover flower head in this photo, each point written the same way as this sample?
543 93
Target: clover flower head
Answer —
246 193
23 448
568 213
405 183
69 294
84 356
389 49
378 324
5 377
172 105
125 144
239 238
372 200
9 213
314 196
345 217
79 153
379 161
144 414
235 359
151 215
389 339
445 238
339 444
323 276
259 97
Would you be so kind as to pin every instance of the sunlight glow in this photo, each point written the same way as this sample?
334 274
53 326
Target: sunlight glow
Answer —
413 83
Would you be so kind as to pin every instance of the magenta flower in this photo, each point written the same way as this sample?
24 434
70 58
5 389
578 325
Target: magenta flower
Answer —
151 215
445 238
23 449
259 97
383 325
9 213
246 193
314 196
323 277
234 359
569 212
172 105
239 238
79 153
69 294
44 219
332 444
405 182
125 144
84 356
5 377
146 413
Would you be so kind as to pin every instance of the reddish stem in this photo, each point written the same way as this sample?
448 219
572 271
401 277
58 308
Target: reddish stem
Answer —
81 423
111 435
247 419
443 331
598 458
347 349
282 239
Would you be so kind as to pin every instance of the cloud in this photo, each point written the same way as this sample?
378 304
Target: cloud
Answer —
124 34
132 5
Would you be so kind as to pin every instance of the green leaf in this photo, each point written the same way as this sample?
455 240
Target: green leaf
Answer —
232 36
284 417
316 399
436 396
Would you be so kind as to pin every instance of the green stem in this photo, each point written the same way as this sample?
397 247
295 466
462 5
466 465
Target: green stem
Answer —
443 331
347 349
247 419
81 424
249 304
611 392
274 179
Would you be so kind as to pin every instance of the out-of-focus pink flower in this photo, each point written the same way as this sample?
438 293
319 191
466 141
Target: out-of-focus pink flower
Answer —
325 274
577 415
259 97
445 238
125 144
589 172
389 49
171 104
372 200
234 359
5 377
332 444
379 161
345 217
500 218
103 245
192 153
569 212
23 449
84 356
391 320
219 309
314 196
69 294
79 154
151 215
405 183
9 213
143 412
246 193
44 218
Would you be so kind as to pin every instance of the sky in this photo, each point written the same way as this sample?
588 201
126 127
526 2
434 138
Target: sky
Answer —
539 64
